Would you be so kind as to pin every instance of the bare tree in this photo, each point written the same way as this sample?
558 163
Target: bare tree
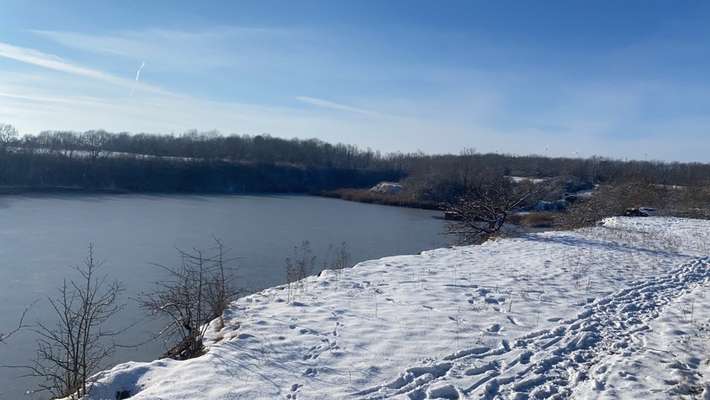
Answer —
8 135
196 292
94 142
485 208
68 141
72 350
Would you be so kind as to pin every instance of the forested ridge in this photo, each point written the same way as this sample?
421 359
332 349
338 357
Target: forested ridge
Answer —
210 162
189 163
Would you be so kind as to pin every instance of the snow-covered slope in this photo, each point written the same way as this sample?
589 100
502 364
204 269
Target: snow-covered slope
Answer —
596 313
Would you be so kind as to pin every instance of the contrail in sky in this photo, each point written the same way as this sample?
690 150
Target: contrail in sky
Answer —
138 76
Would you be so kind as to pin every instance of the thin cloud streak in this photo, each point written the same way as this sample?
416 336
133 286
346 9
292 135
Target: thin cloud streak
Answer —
184 50
37 58
52 62
336 106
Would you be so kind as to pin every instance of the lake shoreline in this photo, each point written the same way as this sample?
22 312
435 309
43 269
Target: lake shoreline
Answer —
348 194
368 197
355 195
20 190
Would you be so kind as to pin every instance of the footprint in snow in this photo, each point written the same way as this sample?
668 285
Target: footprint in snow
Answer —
444 391
513 320
495 328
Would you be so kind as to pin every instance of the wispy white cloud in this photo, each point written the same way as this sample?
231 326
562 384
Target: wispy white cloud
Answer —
132 43
31 109
40 98
112 45
52 62
183 50
336 106
34 57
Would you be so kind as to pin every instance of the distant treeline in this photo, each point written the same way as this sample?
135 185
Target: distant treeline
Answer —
101 161
261 149
132 174
442 178
210 162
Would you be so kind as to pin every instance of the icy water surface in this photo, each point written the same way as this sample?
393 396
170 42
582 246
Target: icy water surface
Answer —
42 237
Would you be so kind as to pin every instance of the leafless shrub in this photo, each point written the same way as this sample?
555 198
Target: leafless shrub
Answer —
219 291
196 292
485 208
609 201
691 202
342 257
298 268
72 350
339 261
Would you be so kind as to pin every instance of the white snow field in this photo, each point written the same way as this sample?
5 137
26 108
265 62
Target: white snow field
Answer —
618 311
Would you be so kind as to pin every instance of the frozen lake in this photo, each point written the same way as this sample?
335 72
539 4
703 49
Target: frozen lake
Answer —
43 236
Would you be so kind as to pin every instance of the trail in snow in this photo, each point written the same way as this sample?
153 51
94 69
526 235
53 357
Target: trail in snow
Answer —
549 363
671 358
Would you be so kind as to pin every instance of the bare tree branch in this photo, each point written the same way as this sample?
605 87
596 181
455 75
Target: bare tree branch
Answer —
195 293
70 351
20 326
485 208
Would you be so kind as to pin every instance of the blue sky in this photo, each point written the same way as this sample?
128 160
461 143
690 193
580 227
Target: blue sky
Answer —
621 79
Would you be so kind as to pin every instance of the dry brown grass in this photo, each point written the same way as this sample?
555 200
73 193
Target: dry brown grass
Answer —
366 196
534 219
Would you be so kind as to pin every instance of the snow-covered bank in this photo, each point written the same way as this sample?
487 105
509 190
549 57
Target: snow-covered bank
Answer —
667 358
549 314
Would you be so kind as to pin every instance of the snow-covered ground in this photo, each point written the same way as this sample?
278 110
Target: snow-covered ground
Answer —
616 311
519 179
